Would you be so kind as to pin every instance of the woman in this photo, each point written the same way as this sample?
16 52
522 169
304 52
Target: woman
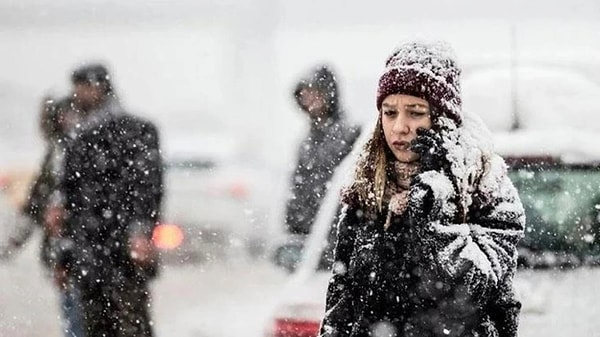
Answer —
427 237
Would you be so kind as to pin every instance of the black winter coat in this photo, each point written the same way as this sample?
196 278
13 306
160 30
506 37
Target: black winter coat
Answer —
113 189
435 278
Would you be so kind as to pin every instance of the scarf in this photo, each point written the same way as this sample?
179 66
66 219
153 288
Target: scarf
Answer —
397 188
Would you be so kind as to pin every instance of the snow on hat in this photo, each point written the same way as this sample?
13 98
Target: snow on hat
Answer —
424 70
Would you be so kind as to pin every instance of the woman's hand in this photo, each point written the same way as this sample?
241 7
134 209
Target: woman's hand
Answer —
432 198
428 144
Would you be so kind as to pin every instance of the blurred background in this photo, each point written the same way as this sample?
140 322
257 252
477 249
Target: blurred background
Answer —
217 77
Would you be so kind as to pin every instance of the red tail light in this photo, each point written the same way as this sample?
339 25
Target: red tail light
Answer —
167 236
285 327
238 190
4 181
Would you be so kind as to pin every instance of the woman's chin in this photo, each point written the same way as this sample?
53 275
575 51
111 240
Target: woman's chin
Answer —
406 156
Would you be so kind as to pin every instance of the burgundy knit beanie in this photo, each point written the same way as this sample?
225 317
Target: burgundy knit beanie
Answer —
427 71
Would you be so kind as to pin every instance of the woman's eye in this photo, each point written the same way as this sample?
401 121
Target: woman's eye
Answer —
389 112
417 114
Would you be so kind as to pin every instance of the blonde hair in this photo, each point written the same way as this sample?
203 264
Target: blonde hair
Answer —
370 174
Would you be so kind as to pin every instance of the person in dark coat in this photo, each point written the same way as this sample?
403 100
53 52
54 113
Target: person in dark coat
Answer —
426 242
329 140
57 122
113 191
44 183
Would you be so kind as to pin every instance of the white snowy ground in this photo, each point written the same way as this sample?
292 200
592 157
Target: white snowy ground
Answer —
233 298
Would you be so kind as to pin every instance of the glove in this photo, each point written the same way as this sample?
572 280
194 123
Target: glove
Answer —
428 144
432 198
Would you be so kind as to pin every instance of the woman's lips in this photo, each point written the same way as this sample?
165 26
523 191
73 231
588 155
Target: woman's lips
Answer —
401 145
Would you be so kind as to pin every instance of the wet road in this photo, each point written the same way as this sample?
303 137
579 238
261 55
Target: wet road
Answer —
229 298
233 298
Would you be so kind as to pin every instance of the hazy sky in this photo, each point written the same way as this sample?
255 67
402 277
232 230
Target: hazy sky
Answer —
315 12
181 63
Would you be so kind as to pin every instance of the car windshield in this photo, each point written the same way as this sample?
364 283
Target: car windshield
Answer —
562 205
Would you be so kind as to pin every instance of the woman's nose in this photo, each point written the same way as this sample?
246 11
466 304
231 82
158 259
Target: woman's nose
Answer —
401 125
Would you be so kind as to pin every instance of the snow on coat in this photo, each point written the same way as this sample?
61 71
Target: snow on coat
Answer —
445 266
113 189
442 277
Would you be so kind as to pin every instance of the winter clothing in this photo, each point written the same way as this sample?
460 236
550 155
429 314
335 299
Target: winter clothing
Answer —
444 266
323 80
70 302
122 310
398 188
44 191
326 144
429 146
426 71
427 278
113 190
41 192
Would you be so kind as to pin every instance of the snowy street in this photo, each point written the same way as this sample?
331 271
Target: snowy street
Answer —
234 298
431 142
229 299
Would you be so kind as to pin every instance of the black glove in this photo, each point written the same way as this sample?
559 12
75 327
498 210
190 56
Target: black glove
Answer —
427 205
428 144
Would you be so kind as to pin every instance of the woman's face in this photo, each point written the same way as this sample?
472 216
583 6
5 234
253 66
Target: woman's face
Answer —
401 115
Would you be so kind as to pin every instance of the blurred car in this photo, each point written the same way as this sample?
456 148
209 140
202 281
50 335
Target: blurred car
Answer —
559 185
560 193
302 303
213 204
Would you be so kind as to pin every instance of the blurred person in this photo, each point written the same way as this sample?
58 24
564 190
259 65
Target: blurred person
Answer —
57 122
426 243
328 141
112 191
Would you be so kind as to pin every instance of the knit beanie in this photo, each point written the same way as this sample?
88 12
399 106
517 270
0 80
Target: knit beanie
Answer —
424 70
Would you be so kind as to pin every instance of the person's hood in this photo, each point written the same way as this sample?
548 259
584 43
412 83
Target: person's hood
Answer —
322 79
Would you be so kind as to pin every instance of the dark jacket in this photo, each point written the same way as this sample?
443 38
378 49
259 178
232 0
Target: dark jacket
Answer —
37 202
319 153
429 278
41 194
113 189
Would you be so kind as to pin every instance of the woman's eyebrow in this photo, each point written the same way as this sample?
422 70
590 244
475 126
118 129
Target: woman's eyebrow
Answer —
416 105
388 106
